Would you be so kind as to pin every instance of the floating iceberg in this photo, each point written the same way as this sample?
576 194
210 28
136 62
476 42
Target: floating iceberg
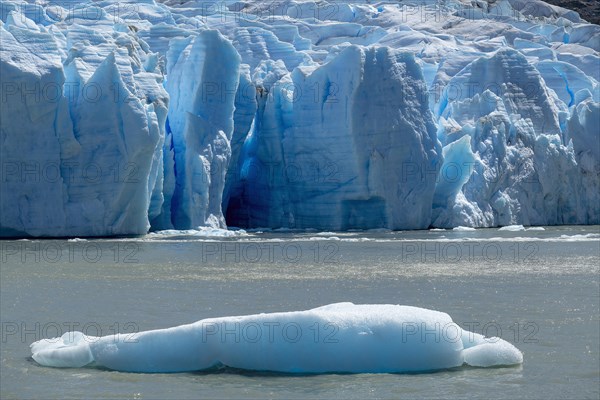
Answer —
340 337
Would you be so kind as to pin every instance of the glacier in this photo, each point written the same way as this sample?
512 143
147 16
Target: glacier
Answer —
341 338
123 117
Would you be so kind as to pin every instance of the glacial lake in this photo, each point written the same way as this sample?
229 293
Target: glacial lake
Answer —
538 289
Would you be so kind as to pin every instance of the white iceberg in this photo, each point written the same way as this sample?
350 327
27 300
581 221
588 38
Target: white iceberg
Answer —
512 228
341 337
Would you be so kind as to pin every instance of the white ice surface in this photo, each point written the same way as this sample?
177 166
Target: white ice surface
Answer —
296 114
340 337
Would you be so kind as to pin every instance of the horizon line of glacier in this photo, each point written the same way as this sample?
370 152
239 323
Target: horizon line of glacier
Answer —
164 116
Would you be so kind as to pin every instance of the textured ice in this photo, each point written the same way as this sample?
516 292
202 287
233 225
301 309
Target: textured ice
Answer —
203 77
122 117
340 337
512 228
79 146
346 153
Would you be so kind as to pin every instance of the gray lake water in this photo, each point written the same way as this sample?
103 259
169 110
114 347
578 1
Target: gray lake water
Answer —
537 289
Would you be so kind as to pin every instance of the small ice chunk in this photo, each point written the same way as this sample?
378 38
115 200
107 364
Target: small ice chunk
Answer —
463 228
512 228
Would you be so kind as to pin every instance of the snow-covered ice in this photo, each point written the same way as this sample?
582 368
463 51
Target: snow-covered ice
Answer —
340 337
124 117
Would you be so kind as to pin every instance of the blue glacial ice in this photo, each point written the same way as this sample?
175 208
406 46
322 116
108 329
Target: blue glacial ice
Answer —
340 337
203 77
124 117
343 147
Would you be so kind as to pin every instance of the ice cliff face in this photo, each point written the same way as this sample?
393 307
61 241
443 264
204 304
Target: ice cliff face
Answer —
120 117
341 146
514 160
83 116
203 77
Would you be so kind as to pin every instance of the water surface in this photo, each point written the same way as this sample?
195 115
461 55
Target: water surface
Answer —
537 289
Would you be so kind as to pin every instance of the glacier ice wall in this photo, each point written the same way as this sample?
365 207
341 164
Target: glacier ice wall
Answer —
203 76
519 165
81 132
342 146
120 117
